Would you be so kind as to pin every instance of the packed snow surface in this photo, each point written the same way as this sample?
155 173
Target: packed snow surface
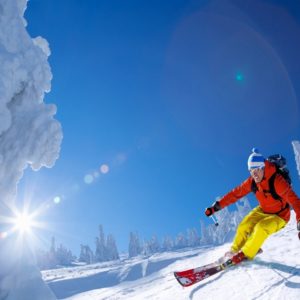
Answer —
274 274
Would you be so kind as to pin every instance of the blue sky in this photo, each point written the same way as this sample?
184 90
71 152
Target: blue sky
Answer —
169 97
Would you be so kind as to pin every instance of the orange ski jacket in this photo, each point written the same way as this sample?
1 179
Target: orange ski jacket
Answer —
267 203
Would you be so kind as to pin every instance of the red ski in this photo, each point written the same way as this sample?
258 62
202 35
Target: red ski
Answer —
192 276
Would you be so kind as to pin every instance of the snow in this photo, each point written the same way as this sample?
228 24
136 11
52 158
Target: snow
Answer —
296 147
30 137
274 274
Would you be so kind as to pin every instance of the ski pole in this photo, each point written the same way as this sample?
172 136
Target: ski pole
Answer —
214 220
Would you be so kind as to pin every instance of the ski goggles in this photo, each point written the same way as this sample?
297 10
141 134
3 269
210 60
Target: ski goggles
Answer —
255 171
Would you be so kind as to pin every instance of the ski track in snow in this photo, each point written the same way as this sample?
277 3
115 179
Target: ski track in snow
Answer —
274 274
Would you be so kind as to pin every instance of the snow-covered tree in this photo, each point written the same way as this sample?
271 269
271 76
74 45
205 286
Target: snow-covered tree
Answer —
222 232
54 257
204 234
64 256
100 252
211 229
180 241
111 248
30 138
105 249
134 247
152 246
296 147
167 244
51 255
86 254
193 239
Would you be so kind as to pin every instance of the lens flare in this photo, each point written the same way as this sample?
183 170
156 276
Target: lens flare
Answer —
56 200
104 169
239 77
3 235
88 179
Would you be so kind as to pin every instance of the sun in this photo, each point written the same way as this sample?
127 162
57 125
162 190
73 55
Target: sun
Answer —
23 222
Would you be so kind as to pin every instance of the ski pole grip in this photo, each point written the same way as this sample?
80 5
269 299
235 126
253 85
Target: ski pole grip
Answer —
211 210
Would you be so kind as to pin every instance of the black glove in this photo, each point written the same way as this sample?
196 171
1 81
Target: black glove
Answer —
211 210
298 227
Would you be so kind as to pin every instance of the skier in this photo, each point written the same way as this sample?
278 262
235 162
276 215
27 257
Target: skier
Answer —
269 217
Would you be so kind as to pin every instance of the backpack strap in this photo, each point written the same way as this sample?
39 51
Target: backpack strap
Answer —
274 193
272 187
254 187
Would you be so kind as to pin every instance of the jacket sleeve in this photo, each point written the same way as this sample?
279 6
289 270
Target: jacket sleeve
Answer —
285 191
238 192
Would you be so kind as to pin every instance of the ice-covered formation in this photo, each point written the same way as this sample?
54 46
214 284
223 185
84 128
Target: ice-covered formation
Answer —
29 136
296 146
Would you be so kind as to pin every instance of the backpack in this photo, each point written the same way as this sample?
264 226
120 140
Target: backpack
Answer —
280 163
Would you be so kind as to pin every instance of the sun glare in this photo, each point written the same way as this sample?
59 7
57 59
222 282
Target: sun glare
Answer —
23 222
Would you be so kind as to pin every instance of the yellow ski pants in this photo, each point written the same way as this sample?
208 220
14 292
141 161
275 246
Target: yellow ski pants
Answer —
254 229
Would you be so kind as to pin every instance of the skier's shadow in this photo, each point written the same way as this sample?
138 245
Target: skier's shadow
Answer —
276 267
292 270
279 268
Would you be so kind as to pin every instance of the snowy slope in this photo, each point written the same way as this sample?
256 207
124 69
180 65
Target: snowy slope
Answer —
275 274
